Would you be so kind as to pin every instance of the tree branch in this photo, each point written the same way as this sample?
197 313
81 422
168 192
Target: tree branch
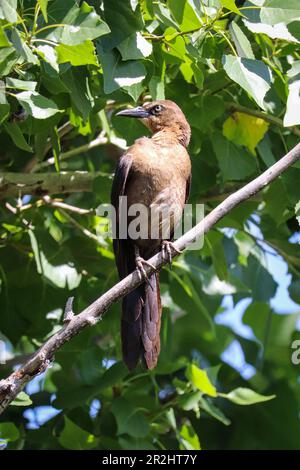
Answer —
45 184
39 361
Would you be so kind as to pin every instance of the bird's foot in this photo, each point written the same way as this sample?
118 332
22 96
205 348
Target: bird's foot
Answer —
140 263
166 251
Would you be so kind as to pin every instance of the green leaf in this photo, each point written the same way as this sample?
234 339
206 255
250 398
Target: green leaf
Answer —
276 11
122 20
214 411
77 82
16 135
129 419
294 287
22 399
48 53
246 396
175 46
259 279
246 130
20 84
184 14
279 328
276 200
231 6
37 105
292 115
43 5
9 431
8 10
53 266
75 438
203 113
22 48
54 136
157 88
252 75
214 242
80 23
135 444
4 105
118 74
80 54
135 47
4 42
8 59
242 44
189 401
188 438
276 31
200 380
265 151
275 19
234 162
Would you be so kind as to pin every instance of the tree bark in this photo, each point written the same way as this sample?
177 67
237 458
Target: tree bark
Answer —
45 184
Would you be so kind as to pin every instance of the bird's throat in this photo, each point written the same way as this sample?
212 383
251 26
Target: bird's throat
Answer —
173 135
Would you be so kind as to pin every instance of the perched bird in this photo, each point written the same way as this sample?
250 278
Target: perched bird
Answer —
155 172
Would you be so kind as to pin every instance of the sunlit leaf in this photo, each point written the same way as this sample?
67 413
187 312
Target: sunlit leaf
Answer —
200 380
37 105
75 438
189 439
246 130
252 75
80 54
246 396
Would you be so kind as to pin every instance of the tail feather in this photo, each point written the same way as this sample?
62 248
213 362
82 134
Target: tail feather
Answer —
140 325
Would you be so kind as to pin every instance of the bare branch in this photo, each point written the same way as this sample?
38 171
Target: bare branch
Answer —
10 387
69 314
43 184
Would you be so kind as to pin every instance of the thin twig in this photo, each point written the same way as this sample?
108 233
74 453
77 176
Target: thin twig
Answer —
80 227
62 131
68 313
68 207
100 140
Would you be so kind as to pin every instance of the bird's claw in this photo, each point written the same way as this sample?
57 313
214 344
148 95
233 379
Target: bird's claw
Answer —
166 248
140 263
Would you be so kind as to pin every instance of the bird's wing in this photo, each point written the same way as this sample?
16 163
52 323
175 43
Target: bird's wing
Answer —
121 179
188 188
187 193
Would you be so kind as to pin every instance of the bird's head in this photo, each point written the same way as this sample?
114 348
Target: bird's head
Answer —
162 115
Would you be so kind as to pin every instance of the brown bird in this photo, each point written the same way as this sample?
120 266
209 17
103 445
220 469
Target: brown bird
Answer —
155 172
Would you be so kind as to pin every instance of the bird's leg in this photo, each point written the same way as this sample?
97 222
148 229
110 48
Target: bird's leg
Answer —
166 251
140 263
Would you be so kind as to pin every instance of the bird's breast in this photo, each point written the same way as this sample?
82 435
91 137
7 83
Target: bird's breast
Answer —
158 182
158 177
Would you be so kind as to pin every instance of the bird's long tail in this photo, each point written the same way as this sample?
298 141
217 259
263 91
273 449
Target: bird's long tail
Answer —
140 325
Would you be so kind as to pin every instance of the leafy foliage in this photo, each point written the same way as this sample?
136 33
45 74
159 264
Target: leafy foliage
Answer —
233 67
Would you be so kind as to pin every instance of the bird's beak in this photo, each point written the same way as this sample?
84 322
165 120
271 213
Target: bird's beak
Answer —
138 112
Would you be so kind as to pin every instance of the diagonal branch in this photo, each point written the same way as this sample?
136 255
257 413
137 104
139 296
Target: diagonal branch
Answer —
39 361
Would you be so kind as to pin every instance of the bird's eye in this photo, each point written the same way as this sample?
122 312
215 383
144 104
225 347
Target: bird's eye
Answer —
156 109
